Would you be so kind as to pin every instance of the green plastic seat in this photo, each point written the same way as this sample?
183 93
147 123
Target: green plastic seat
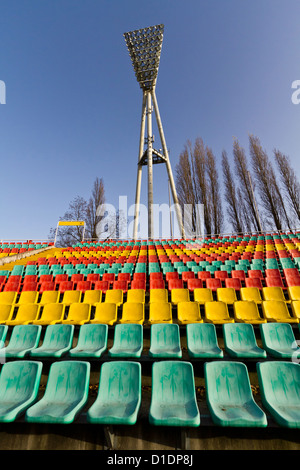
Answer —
165 340
23 339
56 343
202 341
92 341
65 395
119 397
279 390
279 341
240 341
128 340
19 385
173 399
3 333
229 396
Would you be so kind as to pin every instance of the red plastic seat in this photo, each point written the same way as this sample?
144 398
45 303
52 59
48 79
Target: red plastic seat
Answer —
45 278
272 273
47 285
93 277
213 284
101 285
158 275
238 274
122 285
186 275
172 275
30 278
60 278
253 282
234 283
12 287
194 284
75 278
30 286
156 284
65 285
139 276
83 286
222 275
255 273
124 277
109 277
203 275
274 281
138 284
293 281
175 284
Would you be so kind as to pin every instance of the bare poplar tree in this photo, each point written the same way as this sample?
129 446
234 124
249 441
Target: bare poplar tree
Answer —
202 188
96 200
215 197
268 188
233 197
290 183
185 187
252 220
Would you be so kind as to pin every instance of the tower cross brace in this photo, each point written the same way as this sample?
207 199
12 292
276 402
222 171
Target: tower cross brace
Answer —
144 47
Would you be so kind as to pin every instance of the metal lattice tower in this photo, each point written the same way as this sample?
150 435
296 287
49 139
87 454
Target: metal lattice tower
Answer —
144 47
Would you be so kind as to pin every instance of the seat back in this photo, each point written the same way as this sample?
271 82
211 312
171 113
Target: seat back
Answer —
279 389
173 400
19 384
202 340
24 337
279 340
58 337
91 337
165 339
240 340
128 340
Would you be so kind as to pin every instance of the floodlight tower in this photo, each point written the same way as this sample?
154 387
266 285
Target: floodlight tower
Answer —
144 47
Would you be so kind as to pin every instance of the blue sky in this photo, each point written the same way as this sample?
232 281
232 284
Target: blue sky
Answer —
73 105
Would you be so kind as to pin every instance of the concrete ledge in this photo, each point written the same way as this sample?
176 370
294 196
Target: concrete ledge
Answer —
18 256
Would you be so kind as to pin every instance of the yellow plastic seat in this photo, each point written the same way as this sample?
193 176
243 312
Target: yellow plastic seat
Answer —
78 314
203 295
106 313
246 311
277 311
6 313
133 312
251 294
158 295
114 296
25 314
160 312
294 293
179 295
188 312
92 297
49 297
217 312
28 297
51 313
8 298
273 293
70 297
136 295
227 295
296 308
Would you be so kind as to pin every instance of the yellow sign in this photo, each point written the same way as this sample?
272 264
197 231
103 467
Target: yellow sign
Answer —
71 222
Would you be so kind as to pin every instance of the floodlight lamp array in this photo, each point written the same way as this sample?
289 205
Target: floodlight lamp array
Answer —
144 47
